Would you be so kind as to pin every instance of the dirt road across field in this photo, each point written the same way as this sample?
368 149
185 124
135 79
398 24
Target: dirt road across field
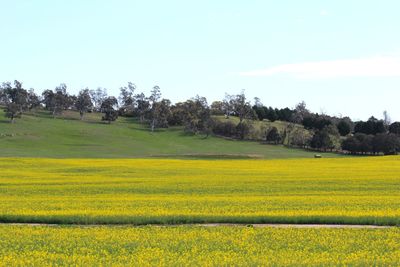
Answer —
338 226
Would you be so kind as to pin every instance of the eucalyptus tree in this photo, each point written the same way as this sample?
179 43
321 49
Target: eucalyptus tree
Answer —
108 107
15 99
83 102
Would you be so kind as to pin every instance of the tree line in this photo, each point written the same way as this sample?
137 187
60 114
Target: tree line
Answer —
373 136
303 128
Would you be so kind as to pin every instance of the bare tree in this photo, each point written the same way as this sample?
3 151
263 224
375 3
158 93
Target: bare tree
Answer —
153 100
227 105
386 119
300 113
241 107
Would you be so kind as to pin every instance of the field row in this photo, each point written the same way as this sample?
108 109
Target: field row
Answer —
142 191
200 246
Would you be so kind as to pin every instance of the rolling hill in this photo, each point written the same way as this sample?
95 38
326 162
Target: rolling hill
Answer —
40 135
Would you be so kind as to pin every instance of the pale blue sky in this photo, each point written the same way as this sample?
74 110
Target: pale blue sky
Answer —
341 57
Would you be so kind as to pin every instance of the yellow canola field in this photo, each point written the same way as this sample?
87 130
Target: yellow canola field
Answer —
141 191
197 246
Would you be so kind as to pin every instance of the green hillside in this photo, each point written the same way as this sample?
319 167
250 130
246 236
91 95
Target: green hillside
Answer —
41 135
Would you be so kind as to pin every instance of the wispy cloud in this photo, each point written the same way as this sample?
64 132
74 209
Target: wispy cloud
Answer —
378 66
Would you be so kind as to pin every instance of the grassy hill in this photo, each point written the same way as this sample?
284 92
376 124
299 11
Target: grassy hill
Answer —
40 135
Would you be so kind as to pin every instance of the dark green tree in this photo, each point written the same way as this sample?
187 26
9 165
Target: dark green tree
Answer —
322 140
58 100
16 100
388 144
395 128
344 127
273 136
108 108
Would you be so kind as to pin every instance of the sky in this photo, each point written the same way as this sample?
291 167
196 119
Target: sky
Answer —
341 57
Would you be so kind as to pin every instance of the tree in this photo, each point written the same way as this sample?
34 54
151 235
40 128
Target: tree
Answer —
16 100
33 99
227 105
386 119
217 108
285 114
359 143
322 140
260 112
225 128
271 114
257 102
177 114
58 100
273 136
372 126
196 116
242 109
127 98
315 121
388 144
334 136
395 128
48 99
161 112
244 129
12 111
2 94
108 108
153 100
299 137
62 99
344 128
142 106
98 97
83 102
300 112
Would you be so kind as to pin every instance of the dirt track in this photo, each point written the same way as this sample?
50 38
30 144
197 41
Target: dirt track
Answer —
337 226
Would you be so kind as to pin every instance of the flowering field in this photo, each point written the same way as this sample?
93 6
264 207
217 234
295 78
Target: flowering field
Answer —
199 246
142 191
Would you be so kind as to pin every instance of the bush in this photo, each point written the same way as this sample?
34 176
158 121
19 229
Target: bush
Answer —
273 136
224 128
244 129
